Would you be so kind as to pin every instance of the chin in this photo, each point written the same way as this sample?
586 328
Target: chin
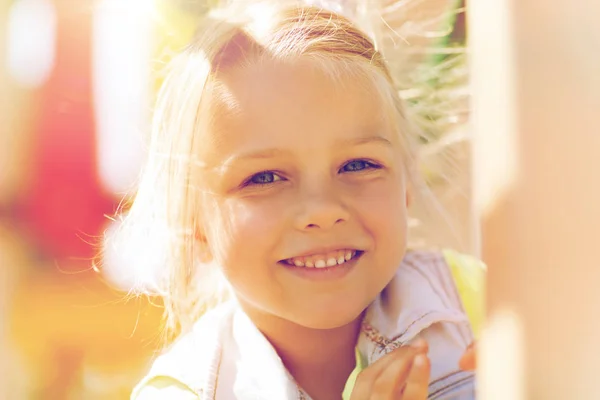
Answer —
327 318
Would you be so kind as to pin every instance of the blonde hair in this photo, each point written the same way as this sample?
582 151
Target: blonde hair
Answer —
167 212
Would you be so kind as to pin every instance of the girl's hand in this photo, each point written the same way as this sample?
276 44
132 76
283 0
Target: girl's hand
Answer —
468 361
402 374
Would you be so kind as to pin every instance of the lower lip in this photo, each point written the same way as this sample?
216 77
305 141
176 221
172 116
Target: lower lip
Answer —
324 274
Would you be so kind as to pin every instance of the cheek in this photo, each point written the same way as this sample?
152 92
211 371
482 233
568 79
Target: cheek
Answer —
382 207
250 231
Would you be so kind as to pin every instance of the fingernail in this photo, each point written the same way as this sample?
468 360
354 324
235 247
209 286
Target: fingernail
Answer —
420 361
419 343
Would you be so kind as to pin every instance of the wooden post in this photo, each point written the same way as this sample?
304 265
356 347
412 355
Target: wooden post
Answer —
536 88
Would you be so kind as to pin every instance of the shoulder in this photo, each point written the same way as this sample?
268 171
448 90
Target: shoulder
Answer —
446 258
182 372
465 271
458 275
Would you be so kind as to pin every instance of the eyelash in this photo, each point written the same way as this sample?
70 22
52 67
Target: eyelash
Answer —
277 178
368 165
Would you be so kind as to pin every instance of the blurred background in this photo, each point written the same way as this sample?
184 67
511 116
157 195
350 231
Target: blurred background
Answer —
77 84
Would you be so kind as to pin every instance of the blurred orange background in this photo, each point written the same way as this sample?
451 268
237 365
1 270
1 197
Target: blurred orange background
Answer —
77 80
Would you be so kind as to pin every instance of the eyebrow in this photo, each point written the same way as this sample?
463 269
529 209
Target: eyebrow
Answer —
366 140
274 152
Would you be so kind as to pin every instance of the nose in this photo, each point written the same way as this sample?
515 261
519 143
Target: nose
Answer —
320 210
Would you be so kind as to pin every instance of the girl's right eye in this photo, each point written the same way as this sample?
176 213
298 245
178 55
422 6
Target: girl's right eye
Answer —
263 178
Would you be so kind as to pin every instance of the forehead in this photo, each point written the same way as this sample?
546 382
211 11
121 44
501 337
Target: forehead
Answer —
298 104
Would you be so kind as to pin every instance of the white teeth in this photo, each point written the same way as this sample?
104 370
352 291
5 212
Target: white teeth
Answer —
321 261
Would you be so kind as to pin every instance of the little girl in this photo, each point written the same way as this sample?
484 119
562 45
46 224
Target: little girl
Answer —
279 175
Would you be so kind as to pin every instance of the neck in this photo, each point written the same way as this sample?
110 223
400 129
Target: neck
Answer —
320 360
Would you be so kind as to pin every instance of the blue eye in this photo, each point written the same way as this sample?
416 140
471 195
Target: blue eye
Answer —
358 165
263 178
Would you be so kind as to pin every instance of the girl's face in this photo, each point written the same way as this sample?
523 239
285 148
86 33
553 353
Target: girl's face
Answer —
309 192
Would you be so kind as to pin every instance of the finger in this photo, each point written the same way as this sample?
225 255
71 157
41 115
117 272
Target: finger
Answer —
468 361
391 381
372 382
417 383
389 384
386 369
419 346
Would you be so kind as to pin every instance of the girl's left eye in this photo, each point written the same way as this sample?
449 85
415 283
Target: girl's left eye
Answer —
358 165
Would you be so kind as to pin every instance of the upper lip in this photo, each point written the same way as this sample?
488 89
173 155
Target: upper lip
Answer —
324 250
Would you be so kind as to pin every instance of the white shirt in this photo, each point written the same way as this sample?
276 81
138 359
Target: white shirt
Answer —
225 357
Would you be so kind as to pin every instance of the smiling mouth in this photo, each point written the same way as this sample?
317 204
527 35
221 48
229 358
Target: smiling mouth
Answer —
327 260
